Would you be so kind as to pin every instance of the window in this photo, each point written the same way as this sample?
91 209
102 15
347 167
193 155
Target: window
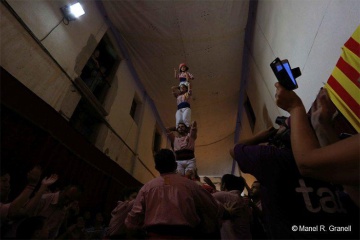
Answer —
250 113
100 68
135 109
93 84
86 120
157 140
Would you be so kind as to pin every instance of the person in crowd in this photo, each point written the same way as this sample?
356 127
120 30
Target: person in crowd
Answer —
34 201
98 229
71 218
257 222
208 181
87 218
4 185
14 208
94 60
75 231
291 201
255 194
193 175
22 205
321 154
55 206
183 76
91 69
33 228
183 143
117 228
237 227
183 113
171 206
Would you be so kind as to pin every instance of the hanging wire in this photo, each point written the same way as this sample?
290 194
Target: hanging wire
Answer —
62 20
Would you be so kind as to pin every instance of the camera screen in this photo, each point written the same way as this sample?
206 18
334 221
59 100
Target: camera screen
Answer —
288 70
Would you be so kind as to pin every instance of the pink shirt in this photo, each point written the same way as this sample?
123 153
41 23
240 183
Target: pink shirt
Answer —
239 227
183 75
118 216
173 200
185 142
4 210
55 215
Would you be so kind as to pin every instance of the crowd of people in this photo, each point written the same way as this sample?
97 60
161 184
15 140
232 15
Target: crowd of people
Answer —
307 186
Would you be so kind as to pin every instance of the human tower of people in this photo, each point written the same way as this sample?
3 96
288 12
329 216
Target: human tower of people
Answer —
176 204
184 134
308 179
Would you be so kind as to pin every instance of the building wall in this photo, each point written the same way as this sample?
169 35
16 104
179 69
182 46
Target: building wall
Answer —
50 67
309 34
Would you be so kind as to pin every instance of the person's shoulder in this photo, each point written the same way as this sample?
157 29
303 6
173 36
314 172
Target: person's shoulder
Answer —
4 205
193 184
184 180
219 193
235 192
158 181
50 195
149 184
229 194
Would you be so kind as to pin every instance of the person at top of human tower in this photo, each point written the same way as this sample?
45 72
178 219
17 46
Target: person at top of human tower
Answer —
183 75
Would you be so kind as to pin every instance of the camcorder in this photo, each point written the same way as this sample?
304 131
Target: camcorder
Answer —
285 74
280 120
282 139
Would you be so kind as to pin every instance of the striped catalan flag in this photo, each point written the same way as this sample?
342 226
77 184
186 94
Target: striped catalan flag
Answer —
344 83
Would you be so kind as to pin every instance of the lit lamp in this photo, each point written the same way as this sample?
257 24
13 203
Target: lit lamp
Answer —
72 12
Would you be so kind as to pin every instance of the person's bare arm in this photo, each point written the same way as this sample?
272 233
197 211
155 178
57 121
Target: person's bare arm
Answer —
337 162
188 93
187 76
32 204
175 91
209 182
193 130
170 133
33 177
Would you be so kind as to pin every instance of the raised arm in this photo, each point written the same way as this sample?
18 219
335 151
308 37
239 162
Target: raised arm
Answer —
33 177
189 76
170 133
175 91
337 162
135 218
32 204
193 130
209 182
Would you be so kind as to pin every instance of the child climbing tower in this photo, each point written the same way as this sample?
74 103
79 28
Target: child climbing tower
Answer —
183 75
183 113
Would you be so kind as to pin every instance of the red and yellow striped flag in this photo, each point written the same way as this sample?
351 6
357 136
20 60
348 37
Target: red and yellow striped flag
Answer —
344 83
